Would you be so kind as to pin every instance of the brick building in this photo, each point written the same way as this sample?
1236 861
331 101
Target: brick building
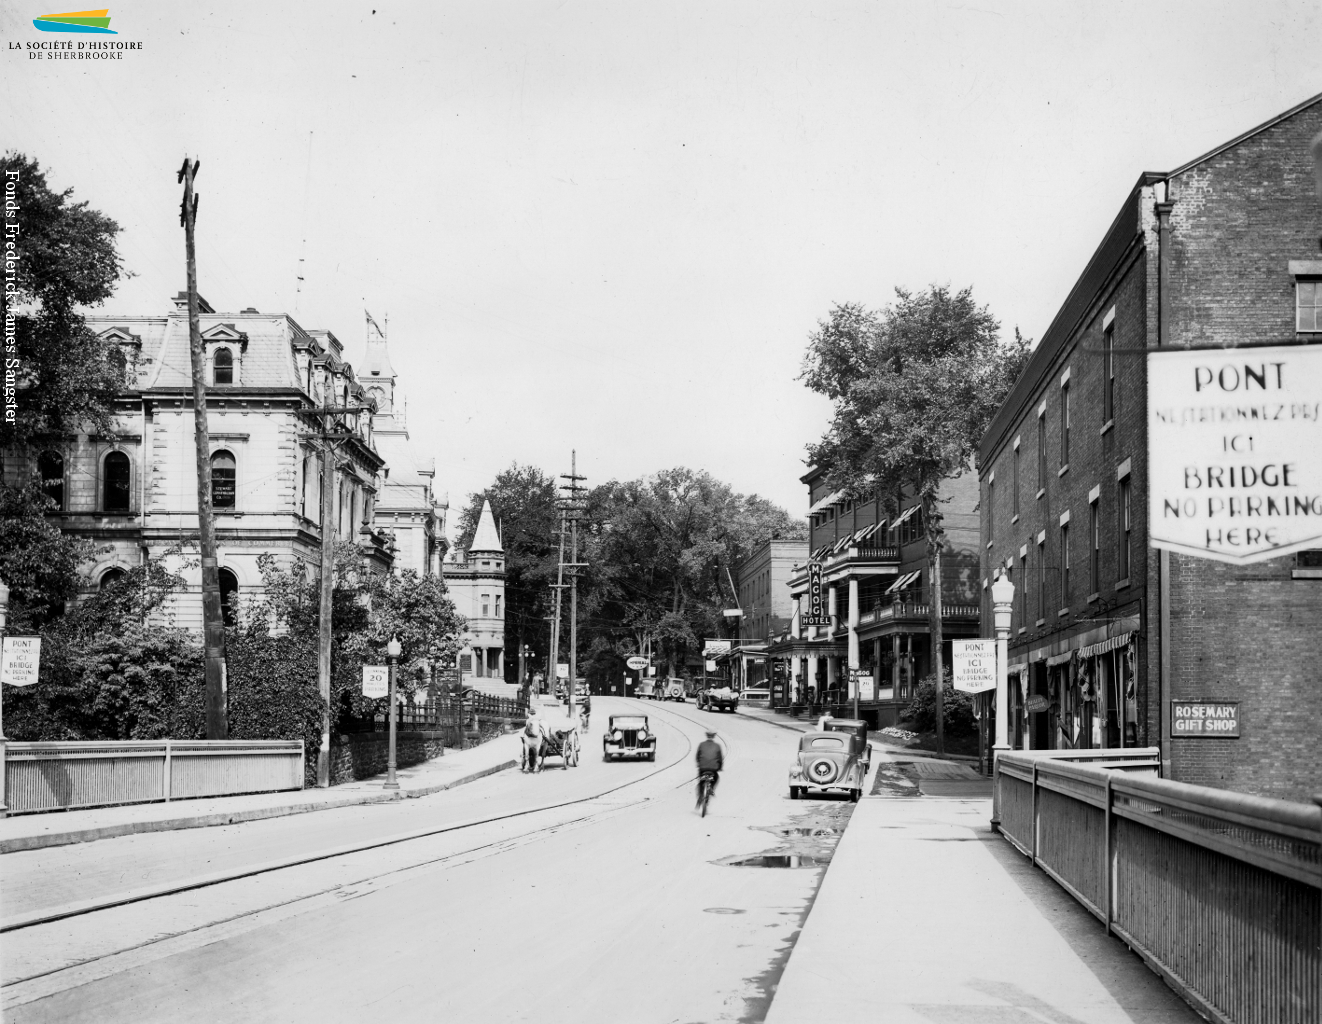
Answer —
1221 253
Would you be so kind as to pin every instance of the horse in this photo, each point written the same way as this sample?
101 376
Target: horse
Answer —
534 745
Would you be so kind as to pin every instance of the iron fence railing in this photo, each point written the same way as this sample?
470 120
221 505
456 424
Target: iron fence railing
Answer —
451 711
51 776
1220 892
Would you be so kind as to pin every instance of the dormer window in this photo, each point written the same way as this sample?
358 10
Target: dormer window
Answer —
223 367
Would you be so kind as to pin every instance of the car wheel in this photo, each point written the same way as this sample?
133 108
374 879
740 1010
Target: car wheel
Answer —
854 794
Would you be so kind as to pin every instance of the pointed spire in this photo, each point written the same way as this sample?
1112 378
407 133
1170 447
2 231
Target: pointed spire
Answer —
377 361
486 538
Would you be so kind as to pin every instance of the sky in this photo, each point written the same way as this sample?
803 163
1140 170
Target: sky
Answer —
611 227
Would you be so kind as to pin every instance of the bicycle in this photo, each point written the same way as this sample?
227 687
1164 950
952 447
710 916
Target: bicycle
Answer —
706 780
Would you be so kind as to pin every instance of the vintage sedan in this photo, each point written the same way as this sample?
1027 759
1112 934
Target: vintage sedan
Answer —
857 727
829 762
628 736
718 698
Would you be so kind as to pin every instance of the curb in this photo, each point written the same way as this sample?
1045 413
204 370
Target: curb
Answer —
236 817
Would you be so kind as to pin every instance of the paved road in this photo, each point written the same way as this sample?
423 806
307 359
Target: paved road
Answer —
616 905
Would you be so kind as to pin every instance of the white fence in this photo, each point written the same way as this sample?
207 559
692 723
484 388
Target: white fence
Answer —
64 776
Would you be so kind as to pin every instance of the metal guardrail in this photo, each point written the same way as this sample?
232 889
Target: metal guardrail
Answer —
1219 892
54 776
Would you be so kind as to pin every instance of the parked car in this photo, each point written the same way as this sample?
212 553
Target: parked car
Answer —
829 762
646 688
672 688
718 698
628 736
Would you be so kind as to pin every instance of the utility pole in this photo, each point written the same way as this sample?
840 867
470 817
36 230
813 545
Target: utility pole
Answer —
329 435
558 586
573 507
213 623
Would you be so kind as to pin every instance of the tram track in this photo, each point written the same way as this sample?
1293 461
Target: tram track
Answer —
66 911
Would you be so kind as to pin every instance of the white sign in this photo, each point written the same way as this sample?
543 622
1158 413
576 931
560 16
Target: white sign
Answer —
376 681
636 663
973 665
715 647
1233 442
562 670
710 665
867 687
20 660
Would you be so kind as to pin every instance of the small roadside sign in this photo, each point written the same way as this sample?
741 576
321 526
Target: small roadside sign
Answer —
562 670
973 665
709 665
637 663
20 660
376 681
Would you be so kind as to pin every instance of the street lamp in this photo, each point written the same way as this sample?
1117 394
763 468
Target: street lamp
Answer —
1002 592
393 651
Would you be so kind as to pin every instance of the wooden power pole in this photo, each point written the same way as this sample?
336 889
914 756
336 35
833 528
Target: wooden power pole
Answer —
213 622
573 506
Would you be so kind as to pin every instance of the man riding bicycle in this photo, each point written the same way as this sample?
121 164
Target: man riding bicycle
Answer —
711 760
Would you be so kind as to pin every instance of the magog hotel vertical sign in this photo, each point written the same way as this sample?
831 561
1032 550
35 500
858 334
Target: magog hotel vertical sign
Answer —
1235 451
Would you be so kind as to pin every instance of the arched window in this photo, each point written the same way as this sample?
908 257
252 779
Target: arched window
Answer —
117 478
223 366
110 576
229 595
222 480
50 467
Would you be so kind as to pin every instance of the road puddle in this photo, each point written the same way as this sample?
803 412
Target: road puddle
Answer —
778 860
816 832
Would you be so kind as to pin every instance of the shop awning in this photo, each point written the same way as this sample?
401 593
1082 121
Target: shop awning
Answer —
904 515
1059 659
826 502
904 581
1105 646
868 531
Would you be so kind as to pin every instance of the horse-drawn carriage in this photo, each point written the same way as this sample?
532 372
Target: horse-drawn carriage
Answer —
549 736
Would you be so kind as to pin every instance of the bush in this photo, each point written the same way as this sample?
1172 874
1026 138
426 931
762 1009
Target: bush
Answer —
956 709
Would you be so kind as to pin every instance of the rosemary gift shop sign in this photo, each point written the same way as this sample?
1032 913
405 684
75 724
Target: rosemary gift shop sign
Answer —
1234 437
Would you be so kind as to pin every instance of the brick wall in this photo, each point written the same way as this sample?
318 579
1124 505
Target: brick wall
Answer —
1247 633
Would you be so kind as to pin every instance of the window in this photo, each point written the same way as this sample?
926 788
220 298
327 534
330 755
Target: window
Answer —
1308 305
1014 484
223 366
498 596
229 599
1094 547
116 480
1108 372
50 467
991 506
1021 592
1065 564
1125 523
110 577
222 480
1042 579
1065 426
1042 452
486 606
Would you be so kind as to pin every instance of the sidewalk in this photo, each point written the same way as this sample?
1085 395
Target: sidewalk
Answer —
926 916
57 828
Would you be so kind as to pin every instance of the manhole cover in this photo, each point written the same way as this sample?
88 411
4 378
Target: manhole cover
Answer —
778 860
722 910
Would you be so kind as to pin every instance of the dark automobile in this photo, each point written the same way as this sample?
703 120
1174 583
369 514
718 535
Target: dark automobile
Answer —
628 736
718 698
829 762
854 726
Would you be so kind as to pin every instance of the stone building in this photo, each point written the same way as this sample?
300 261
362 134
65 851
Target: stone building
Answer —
407 508
1114 636
476 580
134 491
878 589
762 584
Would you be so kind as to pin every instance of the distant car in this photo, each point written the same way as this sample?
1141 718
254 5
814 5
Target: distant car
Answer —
758 695
855 726
672 689
628 736
646 688
829 762
718 698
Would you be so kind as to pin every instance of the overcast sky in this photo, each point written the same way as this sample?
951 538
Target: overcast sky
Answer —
611 226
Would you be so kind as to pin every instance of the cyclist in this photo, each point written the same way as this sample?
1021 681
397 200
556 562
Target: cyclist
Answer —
711 759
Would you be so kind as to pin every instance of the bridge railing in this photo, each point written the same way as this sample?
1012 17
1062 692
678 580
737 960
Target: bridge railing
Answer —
1220 892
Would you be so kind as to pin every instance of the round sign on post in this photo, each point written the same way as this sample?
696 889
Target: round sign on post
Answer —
636 663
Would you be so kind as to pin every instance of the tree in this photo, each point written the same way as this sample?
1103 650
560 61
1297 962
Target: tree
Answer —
523 500
37 561
65 259
914 386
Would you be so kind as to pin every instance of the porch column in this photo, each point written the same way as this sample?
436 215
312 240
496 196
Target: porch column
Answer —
853 624
876 668
831 609
500 663
832 671
479 661
812 672
895 662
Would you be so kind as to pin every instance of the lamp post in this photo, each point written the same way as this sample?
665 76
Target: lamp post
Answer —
393 652
1002 592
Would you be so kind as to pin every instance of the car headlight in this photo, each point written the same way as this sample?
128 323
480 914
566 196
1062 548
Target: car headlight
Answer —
796 770
642 735
617 735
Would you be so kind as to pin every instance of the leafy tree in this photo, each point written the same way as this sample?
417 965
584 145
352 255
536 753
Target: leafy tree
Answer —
914 386
523 500
66 259
37 561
